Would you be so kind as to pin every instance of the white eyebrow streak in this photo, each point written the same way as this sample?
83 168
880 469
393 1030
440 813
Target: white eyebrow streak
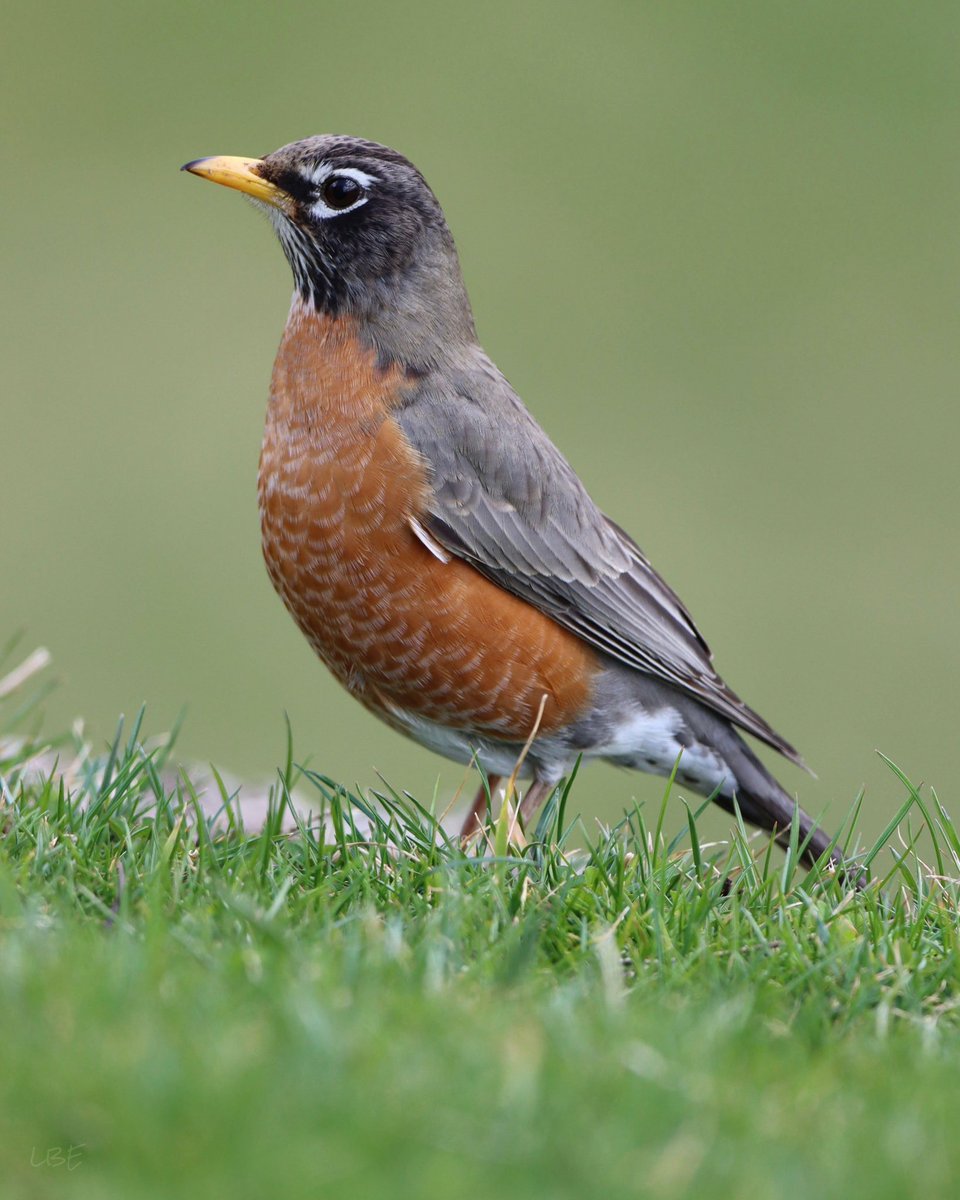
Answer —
324 170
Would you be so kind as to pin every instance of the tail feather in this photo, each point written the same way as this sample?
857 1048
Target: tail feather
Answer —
763 802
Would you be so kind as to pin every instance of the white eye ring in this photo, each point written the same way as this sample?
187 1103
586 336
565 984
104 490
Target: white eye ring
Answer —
325 171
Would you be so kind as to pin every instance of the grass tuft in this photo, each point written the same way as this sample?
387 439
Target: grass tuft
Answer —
346 992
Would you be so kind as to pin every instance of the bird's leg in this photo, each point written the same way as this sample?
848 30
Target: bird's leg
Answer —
537 792
478 808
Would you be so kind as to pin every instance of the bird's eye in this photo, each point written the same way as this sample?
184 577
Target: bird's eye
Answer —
340 191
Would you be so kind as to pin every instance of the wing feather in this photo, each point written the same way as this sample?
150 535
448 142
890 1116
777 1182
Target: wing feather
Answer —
507 501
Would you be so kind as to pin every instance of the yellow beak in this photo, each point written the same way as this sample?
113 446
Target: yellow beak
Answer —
241 174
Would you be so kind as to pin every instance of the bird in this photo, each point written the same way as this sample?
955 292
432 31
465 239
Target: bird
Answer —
438 551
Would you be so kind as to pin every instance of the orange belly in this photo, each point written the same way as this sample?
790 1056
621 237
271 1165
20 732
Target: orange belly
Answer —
339 485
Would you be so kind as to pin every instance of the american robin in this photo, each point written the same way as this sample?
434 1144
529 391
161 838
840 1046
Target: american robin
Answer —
438 551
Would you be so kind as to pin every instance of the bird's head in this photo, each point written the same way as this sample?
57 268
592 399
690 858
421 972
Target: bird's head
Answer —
364 234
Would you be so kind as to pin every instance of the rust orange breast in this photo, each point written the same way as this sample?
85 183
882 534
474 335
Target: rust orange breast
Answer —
339 485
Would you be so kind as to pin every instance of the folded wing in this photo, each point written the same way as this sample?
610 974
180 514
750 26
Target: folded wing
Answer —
506 500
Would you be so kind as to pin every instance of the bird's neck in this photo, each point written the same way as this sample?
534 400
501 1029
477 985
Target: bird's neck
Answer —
419 318
328 381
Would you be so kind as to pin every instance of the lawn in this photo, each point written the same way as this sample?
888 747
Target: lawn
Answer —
352 1004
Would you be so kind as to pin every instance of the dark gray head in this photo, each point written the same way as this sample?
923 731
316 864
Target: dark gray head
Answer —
363 232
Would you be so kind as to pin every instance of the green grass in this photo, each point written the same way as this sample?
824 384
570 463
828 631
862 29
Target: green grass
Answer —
359 1007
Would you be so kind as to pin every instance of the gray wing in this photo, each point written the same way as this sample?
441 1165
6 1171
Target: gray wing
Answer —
506 500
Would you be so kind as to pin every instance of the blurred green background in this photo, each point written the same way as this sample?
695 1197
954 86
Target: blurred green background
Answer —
714 246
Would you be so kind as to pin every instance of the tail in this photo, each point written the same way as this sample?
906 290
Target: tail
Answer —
763 802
